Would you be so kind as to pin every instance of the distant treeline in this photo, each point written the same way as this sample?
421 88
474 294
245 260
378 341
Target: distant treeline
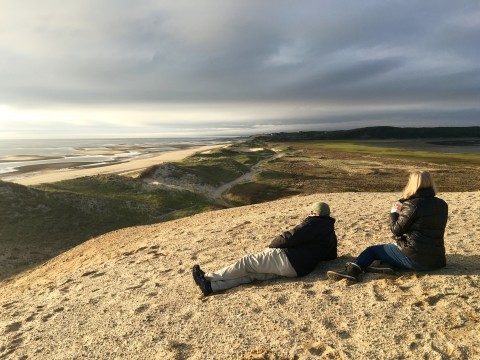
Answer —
376 133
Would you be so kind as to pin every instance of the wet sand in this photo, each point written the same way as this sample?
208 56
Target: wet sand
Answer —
49 176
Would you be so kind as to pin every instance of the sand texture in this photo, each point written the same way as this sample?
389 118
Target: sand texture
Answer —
121 168
129 294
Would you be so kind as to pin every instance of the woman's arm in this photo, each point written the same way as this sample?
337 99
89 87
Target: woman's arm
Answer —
400 222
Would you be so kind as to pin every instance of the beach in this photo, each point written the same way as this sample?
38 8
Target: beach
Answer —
129 294
45 175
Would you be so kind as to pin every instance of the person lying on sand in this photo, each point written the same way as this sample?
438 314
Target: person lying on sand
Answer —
294 253
418 224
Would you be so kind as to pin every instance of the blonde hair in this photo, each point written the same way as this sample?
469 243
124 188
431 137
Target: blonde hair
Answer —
416 181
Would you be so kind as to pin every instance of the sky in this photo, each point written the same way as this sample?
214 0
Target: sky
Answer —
118 68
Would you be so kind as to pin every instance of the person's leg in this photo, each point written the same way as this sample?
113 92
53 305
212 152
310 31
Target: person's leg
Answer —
265 265
389 253
403 260
380 252
220 285
353 270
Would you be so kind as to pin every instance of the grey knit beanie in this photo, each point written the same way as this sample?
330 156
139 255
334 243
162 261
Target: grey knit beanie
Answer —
321 208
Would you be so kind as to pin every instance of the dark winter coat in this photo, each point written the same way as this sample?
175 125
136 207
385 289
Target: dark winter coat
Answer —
420 226
309 243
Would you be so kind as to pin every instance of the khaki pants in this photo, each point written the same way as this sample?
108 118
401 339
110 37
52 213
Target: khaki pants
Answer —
268 264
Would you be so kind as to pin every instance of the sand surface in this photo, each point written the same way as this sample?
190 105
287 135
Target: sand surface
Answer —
129 294
122 168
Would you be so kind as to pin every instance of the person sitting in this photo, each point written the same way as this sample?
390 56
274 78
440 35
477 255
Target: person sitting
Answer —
418 224
294 253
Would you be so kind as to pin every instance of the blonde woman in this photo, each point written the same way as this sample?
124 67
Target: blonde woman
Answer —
418 223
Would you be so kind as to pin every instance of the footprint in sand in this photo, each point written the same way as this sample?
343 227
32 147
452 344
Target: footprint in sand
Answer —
141 309
12 347
9 305
321 350
13 327
378 293
156 254
141 249
93 274
137 286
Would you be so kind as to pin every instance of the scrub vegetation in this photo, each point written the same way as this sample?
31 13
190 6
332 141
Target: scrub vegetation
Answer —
308 167
39 222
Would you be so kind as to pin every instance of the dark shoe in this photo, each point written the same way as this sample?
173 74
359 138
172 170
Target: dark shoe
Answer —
198 274
199 277
352 272
206 287
380 268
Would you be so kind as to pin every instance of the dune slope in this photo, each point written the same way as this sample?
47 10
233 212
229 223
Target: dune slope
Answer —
129 294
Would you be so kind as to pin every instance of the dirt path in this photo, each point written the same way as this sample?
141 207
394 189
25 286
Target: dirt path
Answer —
217 194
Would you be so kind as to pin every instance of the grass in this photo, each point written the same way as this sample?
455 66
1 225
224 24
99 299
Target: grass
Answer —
455 159
140 203
309 167
214 168
46 220
40 222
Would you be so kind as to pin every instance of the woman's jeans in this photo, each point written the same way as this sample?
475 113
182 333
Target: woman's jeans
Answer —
389 253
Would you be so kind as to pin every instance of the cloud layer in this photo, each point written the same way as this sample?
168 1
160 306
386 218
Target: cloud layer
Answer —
244 65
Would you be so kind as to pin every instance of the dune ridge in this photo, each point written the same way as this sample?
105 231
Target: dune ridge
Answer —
129 294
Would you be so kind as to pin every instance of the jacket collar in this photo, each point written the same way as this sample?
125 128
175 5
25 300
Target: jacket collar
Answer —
421 193
425 192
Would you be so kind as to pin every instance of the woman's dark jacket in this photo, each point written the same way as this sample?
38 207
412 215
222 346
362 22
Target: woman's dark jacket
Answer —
309 243
420 226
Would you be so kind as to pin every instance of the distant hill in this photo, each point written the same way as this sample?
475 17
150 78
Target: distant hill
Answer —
376 133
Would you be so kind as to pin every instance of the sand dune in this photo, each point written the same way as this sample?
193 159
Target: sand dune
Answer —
129 294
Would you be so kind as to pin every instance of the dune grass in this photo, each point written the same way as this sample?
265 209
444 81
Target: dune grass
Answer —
40 222
309 167
454 159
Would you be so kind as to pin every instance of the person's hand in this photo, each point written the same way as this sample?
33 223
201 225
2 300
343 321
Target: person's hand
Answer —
396 207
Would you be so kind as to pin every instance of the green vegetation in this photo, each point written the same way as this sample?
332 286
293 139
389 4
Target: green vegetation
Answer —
140 204
308 167
214 168
256 192
42 221
39 222
223 165
396 153
376 132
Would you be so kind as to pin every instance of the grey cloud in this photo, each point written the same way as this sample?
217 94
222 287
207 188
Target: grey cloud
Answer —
331 52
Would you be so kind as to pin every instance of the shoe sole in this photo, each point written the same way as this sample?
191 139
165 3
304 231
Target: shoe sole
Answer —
332 275
196 276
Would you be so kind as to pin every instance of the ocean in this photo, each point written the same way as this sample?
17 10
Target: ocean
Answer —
24 156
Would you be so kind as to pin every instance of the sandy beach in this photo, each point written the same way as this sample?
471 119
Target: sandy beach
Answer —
49 176
129 294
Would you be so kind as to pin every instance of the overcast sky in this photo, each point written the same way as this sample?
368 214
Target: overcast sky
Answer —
118 68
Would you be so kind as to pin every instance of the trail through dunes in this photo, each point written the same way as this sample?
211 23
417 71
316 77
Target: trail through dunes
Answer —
129 294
